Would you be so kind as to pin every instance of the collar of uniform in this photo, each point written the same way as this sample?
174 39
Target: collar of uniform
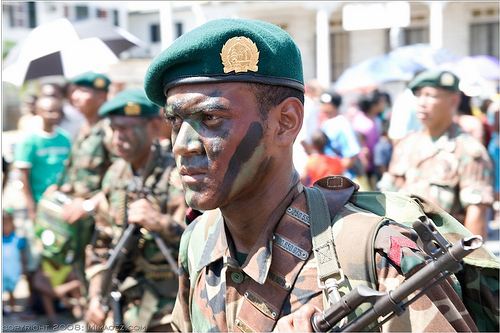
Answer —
447 141
259 258
216 244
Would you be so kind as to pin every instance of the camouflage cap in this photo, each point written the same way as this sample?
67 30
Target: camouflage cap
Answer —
435 78
131 103
92 80
227 50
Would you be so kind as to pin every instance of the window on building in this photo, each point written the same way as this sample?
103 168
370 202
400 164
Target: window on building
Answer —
179 29
415 35
10 10
339 53
484 39
154 33
32 14
81 12
116 17
66 11
101 13
17 14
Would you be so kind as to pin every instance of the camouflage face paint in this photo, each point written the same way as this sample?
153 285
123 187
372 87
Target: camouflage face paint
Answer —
131 137
241 166
218 141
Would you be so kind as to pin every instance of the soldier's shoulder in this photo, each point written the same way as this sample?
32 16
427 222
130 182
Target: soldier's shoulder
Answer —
470 146
411 137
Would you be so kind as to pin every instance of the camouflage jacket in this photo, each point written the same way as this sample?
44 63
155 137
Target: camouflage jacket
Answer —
454 171
146 267
89 159
216 293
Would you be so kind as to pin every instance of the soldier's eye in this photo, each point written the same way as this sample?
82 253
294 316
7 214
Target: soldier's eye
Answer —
174 120
211 120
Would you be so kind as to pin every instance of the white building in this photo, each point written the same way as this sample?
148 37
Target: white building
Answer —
464 28
318 27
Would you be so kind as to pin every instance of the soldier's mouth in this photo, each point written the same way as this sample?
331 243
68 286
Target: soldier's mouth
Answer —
191 175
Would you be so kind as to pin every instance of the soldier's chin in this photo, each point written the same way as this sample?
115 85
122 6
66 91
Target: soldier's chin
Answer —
200 201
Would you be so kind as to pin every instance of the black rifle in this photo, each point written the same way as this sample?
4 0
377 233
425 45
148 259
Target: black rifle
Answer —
445 260
109 286
111 297
142 193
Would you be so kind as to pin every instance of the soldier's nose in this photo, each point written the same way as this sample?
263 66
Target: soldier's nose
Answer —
187 141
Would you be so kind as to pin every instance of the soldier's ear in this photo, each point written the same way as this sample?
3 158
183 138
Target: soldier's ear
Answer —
290 113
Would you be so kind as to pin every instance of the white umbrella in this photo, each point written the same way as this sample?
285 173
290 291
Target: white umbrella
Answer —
90 54
61 48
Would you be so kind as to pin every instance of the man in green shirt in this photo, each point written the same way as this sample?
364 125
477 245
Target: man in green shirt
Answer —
40 156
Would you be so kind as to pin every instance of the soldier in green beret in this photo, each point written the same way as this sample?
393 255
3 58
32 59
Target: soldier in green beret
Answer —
91 155
233 91
142 187
441 162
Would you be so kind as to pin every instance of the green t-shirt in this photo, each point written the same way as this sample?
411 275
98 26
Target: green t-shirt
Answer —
44 154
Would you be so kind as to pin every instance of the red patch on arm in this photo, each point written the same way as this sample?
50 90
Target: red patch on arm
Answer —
397 243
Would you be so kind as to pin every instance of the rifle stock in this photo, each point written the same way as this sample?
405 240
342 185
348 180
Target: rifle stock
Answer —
392 302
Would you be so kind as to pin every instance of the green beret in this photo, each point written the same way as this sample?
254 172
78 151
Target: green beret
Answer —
434 78
130 102
227 50
92 80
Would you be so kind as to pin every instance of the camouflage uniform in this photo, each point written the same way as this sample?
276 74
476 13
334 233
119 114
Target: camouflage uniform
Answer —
149 277
89 159
216 293
454 171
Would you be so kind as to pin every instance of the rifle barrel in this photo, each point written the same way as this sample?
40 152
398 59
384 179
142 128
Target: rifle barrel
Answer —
390 302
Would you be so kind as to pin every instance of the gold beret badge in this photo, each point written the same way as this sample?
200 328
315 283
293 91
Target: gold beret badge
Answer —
240 54
132 109
99 83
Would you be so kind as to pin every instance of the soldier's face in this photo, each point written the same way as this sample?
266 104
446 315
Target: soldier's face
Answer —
87 100
219 142
435 106
132 137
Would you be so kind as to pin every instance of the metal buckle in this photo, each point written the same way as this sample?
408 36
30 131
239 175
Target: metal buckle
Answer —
331 285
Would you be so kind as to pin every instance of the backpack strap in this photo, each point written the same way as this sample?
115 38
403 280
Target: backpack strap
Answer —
321 210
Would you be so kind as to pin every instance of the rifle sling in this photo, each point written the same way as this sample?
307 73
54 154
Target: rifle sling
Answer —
321 234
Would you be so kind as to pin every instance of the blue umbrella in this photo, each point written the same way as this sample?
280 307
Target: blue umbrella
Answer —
372 72
401 64
419 57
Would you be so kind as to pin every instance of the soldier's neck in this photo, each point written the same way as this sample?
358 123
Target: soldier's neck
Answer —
92 119
248 219
438 130
140 163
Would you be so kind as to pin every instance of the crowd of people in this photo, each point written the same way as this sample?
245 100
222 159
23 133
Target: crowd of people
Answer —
356 140
113 183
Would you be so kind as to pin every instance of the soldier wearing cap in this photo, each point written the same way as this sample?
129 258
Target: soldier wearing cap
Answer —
141 187
90 155
441 162
233 91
